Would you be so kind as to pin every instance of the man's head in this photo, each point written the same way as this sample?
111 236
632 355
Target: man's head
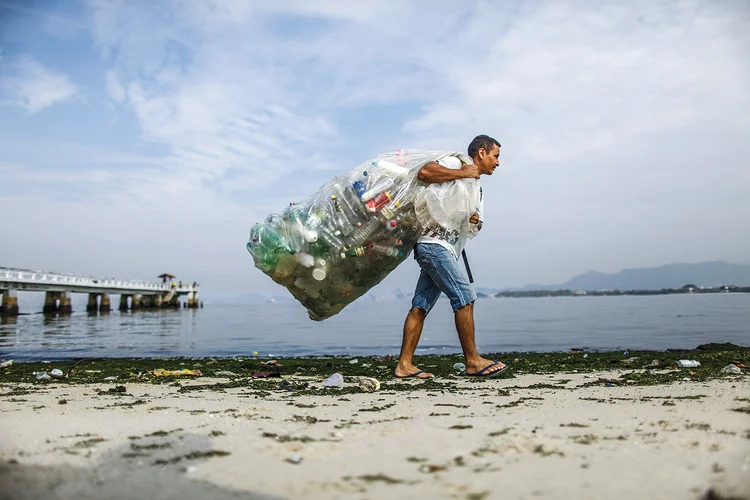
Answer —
485 151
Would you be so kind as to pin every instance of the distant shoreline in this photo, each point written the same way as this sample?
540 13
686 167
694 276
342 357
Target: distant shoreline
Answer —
687 290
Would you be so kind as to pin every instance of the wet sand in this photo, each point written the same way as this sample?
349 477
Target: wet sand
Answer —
546 436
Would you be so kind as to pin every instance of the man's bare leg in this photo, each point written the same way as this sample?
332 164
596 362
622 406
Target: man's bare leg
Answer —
465 326
412 331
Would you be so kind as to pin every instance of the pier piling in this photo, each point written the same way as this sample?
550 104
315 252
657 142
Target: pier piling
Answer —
93 304
10 303
105 305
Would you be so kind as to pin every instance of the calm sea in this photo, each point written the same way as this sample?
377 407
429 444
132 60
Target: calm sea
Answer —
370 327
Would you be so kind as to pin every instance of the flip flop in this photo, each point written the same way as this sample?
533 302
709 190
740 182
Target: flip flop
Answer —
481 373
411 375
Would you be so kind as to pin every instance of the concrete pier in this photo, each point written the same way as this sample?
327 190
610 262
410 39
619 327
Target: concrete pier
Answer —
134 295
57 303
105 305
124 302
64 306
10 303
93 304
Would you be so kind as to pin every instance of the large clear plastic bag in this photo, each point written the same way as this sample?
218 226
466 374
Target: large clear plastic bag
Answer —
333 247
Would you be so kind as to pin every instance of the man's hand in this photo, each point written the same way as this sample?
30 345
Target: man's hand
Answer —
470 170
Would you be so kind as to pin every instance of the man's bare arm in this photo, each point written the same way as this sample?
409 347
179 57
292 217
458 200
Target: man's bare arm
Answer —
434 173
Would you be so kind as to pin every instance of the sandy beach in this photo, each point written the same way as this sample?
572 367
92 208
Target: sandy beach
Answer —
532 436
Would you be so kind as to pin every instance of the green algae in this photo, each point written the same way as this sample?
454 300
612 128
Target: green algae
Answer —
713 357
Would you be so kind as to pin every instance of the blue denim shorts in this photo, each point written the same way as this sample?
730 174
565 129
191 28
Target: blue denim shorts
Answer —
441 272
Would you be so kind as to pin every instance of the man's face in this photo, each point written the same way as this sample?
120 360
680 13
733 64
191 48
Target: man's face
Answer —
488 162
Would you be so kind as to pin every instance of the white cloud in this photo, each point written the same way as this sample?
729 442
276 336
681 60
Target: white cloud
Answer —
114 88
36 87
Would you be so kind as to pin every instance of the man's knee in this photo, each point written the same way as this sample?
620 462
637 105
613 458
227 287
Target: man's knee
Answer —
419 312
465 308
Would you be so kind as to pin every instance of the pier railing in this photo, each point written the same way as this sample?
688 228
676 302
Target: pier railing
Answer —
58 287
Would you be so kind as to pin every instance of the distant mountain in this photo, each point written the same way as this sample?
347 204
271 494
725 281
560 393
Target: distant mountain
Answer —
704 274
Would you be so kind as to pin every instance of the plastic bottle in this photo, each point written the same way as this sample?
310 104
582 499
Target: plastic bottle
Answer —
356 251
460 367
378 202
321 270
389 211
343 223
286 265
385 250
688 363
331 237
377 189
335 380
305 259
319 273
359 188
350 203
360 235
391 225
391 168
269 259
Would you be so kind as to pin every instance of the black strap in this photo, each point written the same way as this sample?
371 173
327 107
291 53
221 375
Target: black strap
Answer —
468 269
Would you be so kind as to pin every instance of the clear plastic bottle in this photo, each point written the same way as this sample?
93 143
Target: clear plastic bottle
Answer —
343 223
331 238
385 250
335 380
360 235
377 189
688 363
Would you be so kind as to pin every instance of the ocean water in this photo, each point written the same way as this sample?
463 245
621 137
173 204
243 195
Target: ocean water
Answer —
369 327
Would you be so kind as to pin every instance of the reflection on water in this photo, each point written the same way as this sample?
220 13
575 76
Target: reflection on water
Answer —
374 328
9 320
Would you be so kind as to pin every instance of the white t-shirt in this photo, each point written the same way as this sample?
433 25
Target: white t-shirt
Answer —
438 234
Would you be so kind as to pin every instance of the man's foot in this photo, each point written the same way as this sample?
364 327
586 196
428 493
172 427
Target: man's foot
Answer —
484 367
410 371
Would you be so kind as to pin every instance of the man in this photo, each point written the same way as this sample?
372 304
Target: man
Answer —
437 252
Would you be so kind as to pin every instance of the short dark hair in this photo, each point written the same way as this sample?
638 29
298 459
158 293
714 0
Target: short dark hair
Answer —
481 142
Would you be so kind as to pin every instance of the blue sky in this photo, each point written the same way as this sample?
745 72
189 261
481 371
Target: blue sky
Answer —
140 137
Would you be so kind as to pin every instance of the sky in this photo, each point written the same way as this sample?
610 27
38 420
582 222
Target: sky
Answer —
139 137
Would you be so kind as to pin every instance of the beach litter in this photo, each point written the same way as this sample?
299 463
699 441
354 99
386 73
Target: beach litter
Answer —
294 458
369 384
688 363
42 376
265 374
628 361
6 364
56 373
160 372
335 380
270 362
353 361
732 368
459 367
